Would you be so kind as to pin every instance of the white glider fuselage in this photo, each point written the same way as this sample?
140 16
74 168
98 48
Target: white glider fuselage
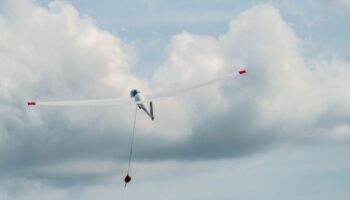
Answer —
140 102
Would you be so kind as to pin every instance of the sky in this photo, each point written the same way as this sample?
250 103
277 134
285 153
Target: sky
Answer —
280 132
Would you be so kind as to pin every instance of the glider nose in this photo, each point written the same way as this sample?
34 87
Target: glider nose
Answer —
133 93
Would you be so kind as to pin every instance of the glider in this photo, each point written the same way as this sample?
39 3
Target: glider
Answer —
136 97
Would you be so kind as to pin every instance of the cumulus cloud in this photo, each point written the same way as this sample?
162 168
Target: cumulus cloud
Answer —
285 96
54 53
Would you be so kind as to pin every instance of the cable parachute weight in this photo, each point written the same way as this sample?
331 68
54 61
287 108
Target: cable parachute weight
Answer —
127 179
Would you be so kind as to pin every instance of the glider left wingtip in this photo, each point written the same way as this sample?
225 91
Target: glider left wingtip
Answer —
243 71
32 103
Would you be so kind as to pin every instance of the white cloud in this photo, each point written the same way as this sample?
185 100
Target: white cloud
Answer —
284 87
55 54
191 59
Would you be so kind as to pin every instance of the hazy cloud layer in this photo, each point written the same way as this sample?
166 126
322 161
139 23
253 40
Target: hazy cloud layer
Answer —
55 54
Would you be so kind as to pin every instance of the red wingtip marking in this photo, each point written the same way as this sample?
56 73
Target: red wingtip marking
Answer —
242 72
31 103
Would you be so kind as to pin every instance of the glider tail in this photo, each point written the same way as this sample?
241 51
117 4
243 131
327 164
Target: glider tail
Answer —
151 110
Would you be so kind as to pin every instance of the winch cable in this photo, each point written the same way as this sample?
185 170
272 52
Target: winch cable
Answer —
127 178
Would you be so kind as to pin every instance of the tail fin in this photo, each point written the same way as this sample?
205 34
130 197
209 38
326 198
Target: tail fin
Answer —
151 110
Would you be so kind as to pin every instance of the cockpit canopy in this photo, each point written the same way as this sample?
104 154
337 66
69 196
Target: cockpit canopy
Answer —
133 93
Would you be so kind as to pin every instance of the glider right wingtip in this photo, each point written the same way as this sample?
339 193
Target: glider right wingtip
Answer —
31 103
243 71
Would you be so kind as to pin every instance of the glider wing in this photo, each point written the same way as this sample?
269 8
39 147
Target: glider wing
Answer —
95 102
178 91
118 101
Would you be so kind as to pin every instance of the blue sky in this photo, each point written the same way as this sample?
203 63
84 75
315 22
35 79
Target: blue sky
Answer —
324 25
281 132
320 21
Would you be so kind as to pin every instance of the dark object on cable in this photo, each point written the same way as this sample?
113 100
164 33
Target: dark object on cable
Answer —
127 178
